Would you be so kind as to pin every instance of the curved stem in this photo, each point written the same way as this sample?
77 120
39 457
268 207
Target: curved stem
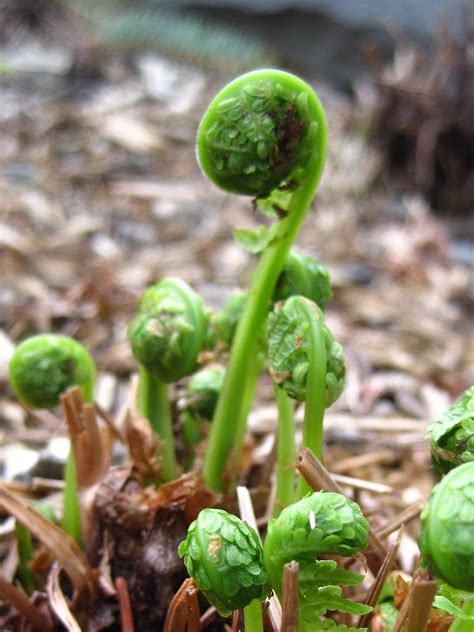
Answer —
286 452
253 617
315 391
153 403
222 439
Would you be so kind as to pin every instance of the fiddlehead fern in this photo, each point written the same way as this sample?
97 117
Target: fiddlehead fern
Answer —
288 349
307 363
166 336
447 541
169 330
452 435
306 276
319 524
225 557
43 367
264 130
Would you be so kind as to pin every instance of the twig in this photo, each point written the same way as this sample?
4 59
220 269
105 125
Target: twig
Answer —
374 592
408 514
289 606
363 460
417 604
424 591
208 617
358 483
318 477
125 606
17 598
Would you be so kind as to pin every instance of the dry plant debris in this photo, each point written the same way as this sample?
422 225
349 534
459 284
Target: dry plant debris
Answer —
101 197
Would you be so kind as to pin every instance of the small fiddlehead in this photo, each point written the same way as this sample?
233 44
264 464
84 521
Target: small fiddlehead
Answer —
169 330
320 524
446 540
264 130
224 556
166 336
307 362
43 367
452 435
203 391
303 275
288 344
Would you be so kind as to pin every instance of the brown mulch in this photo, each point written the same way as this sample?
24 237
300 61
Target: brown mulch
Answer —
101 196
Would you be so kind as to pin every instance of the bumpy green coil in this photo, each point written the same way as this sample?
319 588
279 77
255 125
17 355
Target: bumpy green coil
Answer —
203 390
288 354
452 435
305 276
43 367
169 330
256 134
224 556
447 536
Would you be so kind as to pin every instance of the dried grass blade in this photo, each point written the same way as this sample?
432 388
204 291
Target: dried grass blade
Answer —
61 546
58 601
17 598
289 606
408 514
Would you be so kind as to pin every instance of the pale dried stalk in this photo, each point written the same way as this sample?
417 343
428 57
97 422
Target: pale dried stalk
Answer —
58 601
318 478
408 514
374 592
60 545
17 598
363 460
359 483
289 605
247 513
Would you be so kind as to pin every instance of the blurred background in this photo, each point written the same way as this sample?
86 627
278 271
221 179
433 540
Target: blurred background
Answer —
100 194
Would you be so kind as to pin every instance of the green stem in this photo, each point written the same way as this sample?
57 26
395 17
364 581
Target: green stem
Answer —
153 403
222 439
24 543
243 413
462 625
253 619
286 452
315 391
